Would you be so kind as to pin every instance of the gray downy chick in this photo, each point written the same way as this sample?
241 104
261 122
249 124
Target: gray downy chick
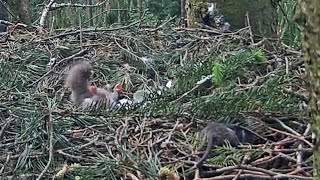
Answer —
78 80
102 98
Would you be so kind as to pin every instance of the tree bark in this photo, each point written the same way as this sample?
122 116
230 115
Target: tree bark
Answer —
140 7
183 13
73 13
90 14
195 9
24 14
21 9
262 15
3 16
308 16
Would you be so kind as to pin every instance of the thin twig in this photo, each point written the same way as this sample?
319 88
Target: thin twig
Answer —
250 30
80 53
4 126
172 131
45 13
299 153
50 135
285 133
162 25
5 163
88 30
287 127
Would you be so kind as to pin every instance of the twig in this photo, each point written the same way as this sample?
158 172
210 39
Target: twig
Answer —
293 150
80 53
82 146
247 167
12 15
196 174
4 126
291 135
5 163
50 135
250 30
253 176
238 175
245 160
60 5
7 22
287 65
80 32
69 155
188 92
45 13
161 26
299 153
132 176
287 127
300 96
285 133
171 132
88 30
157 75
141 20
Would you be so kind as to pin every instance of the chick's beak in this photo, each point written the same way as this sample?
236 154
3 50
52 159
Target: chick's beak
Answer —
93 89
118 88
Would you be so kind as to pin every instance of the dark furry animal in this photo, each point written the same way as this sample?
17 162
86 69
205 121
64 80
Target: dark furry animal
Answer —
246 135
217 134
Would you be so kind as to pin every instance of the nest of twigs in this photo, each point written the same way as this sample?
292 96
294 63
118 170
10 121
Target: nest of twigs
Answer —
44 135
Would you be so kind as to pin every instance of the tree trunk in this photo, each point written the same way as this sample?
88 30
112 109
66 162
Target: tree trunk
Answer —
3 16
195 10
183 13
140 7
262 15
119 12
24 13
308 15
21 9
73 14
90 14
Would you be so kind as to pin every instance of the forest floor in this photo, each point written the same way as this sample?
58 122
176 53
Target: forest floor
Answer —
256 83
